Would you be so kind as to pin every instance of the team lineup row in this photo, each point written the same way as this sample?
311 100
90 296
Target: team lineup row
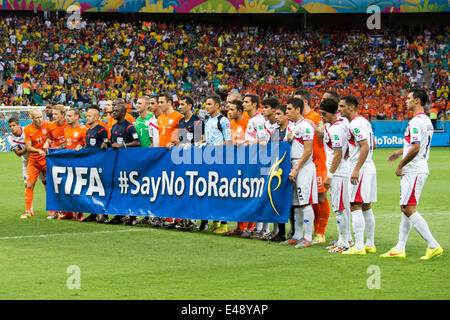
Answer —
331 151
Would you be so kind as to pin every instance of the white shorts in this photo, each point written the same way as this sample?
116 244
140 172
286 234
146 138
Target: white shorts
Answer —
24 173
411 186
365 191
305 187
339 193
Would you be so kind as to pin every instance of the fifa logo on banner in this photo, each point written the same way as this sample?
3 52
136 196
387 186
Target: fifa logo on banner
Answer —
74 17
82 176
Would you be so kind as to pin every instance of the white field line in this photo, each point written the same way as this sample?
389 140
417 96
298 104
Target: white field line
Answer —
70 234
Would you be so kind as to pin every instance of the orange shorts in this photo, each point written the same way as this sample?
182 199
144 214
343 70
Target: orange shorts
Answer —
34 168
321 175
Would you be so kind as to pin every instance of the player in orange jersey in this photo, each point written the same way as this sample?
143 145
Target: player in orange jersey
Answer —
56 137
238 125
75 138
36 135
322 208
167 125
168 122
75 133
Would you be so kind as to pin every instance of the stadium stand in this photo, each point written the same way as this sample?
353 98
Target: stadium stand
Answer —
42 61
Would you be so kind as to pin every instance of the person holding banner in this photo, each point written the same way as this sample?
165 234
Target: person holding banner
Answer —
75 138
238 125
217 132
279 134
95 137
123 135
153 129
270 125
303 174
142 122
254 133
167 125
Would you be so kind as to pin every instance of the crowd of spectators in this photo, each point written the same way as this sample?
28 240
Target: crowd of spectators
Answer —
43 61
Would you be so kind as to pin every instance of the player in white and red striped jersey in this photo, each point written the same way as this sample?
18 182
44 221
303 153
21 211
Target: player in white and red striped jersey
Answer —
335 140
270 125
413 170
363 178
254 133
303 175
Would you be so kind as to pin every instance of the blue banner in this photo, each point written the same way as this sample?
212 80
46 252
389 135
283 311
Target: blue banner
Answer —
226 183
440 139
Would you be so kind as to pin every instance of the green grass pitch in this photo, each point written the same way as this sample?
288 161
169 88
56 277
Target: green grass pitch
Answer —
120 262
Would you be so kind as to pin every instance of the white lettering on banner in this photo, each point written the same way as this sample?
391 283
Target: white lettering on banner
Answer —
211 186
386 140
95 184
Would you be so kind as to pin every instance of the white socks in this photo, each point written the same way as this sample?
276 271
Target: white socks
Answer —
358 228
422 228
304 217
403 233
298 222
369 221
342 226
266 227
258 226
308 214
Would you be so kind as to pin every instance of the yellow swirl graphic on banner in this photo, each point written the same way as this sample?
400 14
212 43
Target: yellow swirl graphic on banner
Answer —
275 173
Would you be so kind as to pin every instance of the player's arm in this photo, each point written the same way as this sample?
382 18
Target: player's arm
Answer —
136 141
32 149
374 143
337 158
226 132
308 150
19 150
395 155
317 130
363 153
413 151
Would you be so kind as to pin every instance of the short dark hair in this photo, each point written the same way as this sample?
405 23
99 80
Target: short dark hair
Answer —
216 98
254 98
188 99
305 94
334 95
420 93
351 100
272 102
281 107
166 95
297 103
329 105
13 119
238 104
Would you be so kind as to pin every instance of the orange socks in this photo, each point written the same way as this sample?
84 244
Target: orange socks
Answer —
28 198
321 215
